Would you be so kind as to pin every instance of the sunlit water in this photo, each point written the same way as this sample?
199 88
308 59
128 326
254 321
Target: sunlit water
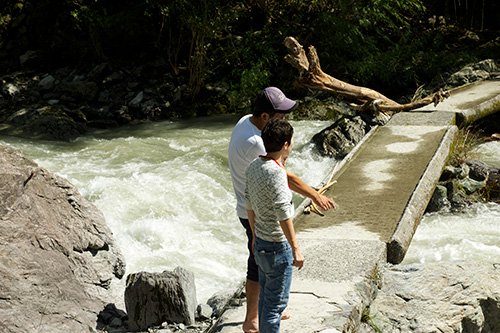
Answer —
471 235
166 192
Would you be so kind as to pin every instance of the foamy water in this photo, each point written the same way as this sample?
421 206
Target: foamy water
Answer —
166 192
470 235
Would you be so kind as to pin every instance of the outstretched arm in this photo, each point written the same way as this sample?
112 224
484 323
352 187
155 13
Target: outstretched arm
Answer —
298 185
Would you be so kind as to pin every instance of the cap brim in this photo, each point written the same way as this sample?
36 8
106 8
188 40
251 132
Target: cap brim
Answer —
291 108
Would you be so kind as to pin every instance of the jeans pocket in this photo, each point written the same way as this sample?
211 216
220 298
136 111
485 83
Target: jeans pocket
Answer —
265 260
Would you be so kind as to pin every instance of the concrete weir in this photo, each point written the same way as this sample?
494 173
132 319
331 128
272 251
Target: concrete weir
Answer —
383 187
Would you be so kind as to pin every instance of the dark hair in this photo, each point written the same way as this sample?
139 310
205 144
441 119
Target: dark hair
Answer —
262 105
275 133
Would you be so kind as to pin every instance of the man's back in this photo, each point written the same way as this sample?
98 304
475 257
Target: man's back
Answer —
245 145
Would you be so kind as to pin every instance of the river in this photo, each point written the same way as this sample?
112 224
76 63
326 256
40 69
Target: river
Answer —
470 235
166 193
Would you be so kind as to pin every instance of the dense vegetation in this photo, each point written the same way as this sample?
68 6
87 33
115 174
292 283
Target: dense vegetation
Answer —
393 46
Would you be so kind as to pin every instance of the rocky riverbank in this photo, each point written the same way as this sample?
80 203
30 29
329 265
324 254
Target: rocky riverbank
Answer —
59 262
66 102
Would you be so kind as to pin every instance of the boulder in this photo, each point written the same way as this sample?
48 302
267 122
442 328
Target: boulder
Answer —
47 122
439 297
340 138
476 72
58 258
154 298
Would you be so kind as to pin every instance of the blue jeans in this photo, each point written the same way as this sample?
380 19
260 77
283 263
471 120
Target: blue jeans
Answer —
275 278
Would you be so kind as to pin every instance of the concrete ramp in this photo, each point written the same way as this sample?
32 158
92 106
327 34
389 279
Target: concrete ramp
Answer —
471 102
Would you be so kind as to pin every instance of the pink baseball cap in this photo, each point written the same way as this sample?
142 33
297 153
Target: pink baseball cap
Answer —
273 99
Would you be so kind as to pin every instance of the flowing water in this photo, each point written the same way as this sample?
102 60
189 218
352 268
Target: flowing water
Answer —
166 192
471 235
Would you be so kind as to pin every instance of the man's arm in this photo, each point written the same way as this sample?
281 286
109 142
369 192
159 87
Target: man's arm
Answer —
289 231
298 185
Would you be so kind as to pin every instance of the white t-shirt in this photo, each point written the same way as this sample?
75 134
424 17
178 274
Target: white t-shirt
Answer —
246 145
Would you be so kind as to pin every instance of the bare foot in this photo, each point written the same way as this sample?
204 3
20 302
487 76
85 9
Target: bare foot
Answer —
251 326
285 316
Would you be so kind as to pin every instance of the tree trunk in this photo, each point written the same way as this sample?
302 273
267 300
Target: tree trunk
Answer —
311 76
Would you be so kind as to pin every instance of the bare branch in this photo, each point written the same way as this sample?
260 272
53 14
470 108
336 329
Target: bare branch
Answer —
311 76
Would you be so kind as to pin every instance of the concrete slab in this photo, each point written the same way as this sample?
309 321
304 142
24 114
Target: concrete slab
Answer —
373 189
471 102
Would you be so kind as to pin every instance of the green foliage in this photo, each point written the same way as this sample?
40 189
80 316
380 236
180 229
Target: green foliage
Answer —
386 45
463 145
368 318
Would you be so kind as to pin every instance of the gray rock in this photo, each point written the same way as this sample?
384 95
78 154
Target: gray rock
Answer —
47 83
32 58
204 311
58 255
439 200
487 65
439 297
153 298
48 122
341 137
471 186
478 170
476 72
219 301
78 90
137 99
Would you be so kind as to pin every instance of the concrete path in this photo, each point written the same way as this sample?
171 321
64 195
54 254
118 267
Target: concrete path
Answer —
383 187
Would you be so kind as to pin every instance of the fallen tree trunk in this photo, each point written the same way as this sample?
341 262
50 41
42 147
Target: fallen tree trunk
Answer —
311 76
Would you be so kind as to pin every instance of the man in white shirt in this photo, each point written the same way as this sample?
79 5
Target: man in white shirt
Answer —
246 144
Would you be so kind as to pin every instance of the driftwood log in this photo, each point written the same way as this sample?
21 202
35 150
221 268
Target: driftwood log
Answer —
311 76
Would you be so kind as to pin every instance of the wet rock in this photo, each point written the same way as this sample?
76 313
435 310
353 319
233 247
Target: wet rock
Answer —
471 186
439 200
341 137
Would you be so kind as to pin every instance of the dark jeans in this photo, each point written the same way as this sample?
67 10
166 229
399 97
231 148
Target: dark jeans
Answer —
252 269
